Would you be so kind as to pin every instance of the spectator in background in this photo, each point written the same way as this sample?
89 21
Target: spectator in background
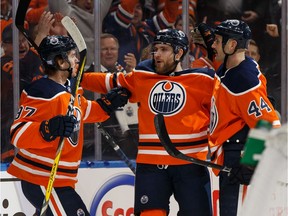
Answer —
109 54
150 7
271 51
35 10
251 11
134 33
82 11
49 24
6 15
30 68
272 30
123 123
146 53
253 50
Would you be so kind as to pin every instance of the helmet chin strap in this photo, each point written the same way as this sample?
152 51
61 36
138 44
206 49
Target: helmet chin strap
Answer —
226 55
69 69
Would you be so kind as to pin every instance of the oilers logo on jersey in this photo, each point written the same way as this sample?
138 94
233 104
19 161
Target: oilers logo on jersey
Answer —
167 97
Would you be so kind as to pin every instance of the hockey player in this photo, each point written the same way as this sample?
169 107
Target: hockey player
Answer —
239 101
160 85
42 120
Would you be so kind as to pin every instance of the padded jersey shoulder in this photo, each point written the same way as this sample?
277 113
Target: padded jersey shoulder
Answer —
147 66
204 71
241 78
44 88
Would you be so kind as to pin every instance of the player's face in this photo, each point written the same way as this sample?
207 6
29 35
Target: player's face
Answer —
138 15
73 59
23 47
86 5
217 46
109 52
164 58
179 25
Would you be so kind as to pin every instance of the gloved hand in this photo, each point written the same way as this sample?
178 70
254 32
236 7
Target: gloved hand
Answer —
115 98
241 174
57 126
204 35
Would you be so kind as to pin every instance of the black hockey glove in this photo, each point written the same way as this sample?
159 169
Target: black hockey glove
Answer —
57 126
241 174
207 36
115 98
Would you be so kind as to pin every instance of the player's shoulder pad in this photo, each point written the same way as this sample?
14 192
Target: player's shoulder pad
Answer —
146 65
204 71
44 88
243 77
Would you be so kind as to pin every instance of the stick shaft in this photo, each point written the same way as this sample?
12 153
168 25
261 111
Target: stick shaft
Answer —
116 147
174 152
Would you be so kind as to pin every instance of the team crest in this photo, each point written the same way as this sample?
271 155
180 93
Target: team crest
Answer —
167 98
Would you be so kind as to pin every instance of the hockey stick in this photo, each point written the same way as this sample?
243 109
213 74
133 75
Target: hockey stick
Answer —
78 39
20 18
174 152
116 147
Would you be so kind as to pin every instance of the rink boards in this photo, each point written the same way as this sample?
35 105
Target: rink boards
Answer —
107 188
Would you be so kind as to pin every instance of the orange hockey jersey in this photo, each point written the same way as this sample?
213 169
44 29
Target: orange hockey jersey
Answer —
183 98
42 100
239 99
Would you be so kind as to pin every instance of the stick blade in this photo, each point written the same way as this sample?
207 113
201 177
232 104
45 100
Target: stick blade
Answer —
74 32
162 133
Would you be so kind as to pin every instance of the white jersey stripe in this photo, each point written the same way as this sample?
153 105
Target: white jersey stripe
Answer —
40 173
164 152
175 136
